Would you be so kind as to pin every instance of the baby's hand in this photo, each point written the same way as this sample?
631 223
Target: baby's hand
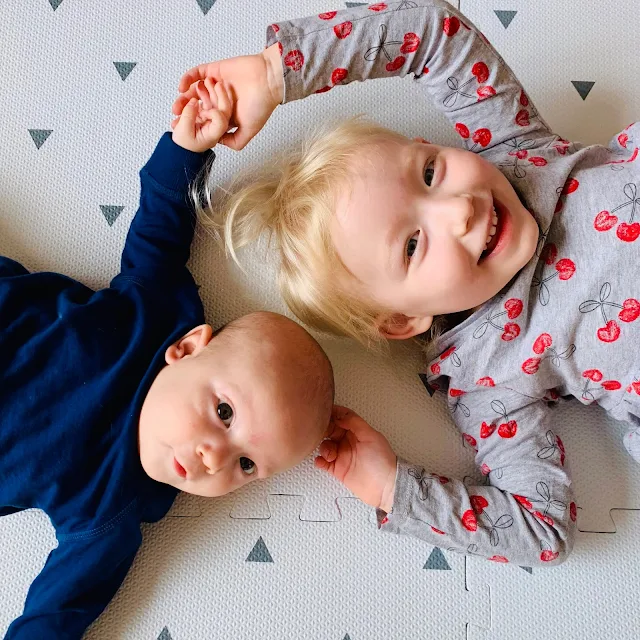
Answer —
360 457
255 83
205 118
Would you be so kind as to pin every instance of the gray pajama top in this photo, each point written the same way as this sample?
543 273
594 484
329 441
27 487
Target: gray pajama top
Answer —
566 325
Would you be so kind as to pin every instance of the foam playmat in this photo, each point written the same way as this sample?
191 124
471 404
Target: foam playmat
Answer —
87 87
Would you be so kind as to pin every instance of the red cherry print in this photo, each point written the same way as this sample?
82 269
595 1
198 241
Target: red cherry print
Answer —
549 253
338 75
482 137
513 307
294 59
559 206
628 232
380 6
592 374
447 353
548 555
544 518
435 369
508 429
522 118
486 430
324 89
451 26
395 64
521 154
343 29
442 533
485 469
469 520
543 341
573 511
623 138
442 479
511 331
498 559
565 268
571 186
384 520
456 393
471 441
485 92
634 386
604 221
523 501
425 70
486 382
610 332
463 130
531 365
410 43
275 28
538 161
481 72
524 101
611 385
329 15
630 310
562 450
478 504
280 47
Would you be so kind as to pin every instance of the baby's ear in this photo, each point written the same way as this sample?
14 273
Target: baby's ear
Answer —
401 327
190 344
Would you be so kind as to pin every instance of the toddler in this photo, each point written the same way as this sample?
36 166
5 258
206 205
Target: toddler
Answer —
114 400
517 249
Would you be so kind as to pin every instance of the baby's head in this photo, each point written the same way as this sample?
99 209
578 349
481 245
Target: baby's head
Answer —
379 234
246 402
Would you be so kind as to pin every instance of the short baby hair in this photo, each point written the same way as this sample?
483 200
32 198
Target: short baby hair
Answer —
293 200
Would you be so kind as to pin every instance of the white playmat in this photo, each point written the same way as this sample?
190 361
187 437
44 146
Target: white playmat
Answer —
86 88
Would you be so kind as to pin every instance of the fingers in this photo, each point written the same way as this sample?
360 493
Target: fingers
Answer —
235 140
329 450
187 121
193 75
222 96
205 91
348 420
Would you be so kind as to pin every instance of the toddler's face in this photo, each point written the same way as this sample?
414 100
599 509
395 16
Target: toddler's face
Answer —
430 230
217 418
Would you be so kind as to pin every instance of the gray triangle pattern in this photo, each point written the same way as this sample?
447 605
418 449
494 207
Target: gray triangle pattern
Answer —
346 637
529 570
583 87
505 17
259 553
39 136
165 635
55 4
111 212
351 5
205 5
124 68
437 561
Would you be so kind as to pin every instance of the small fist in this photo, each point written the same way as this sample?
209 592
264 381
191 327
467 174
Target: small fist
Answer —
205 118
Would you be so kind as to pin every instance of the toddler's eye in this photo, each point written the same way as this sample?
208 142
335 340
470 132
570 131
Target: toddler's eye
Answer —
248 466
225 413
412 245
429 172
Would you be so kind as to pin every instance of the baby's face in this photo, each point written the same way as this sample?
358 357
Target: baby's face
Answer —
417 229
217 418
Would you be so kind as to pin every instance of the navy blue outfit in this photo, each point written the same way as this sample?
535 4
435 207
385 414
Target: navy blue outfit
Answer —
75 367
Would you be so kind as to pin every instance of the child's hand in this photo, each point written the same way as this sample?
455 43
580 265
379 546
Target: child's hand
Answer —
255 84
205 118
360 457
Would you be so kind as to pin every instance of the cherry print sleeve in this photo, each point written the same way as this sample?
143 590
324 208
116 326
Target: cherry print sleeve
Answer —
524 512
427 39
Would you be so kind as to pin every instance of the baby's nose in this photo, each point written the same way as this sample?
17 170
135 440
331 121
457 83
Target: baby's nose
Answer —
214 455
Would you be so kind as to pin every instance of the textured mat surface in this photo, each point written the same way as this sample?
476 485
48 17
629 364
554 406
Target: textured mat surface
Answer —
87 88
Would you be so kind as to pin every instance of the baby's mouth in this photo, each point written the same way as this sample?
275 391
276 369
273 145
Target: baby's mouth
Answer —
494 233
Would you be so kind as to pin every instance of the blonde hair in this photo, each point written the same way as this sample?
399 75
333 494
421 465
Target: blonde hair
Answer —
293 200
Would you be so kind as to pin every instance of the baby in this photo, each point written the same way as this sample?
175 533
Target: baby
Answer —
511 256
114 400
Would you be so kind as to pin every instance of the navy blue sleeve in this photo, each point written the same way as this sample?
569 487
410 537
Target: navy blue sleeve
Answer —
159 240
77 582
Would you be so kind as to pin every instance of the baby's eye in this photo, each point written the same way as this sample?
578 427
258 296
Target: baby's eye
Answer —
429 172
225 413
412 245
248 466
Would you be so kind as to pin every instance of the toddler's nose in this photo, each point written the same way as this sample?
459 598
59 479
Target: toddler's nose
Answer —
214 455
458 214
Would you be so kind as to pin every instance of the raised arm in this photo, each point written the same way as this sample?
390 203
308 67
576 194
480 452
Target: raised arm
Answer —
427 39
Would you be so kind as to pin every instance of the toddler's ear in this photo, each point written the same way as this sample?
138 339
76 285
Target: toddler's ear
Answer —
401 327
190 344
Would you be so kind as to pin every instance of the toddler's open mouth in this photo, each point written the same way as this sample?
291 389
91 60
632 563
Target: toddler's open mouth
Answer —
495 232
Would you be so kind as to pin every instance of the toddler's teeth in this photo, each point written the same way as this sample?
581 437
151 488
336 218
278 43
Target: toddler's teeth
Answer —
487 242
